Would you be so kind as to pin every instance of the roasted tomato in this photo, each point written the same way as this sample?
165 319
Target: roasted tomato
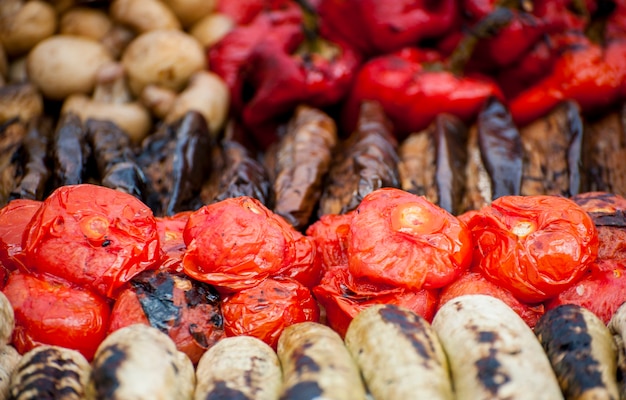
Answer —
92 236
235 243
534 246
330 233
402 239
473 282
344 296
14 218
56 313
602 291
172 242
265 310
186 310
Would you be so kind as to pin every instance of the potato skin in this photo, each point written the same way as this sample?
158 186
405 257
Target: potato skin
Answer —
581 350
492 352
316 364
241 367
399 354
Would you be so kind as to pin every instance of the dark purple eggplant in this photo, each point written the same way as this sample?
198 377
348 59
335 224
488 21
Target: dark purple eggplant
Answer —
432 162
176 161
553 153
302 160
12 135
605 152
70 152
114 158
33 183
366 161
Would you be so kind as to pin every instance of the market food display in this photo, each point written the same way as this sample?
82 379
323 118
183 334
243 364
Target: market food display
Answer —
299 198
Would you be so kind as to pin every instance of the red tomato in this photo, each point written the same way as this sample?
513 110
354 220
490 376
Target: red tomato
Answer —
56 313
265 310
474 283
172 242
601 292
306 267
187 311
534 246
14 217
344 296
402 239
330 234
92 236
235 243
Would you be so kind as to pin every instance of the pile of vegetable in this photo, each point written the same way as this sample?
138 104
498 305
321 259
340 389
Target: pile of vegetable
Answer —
273 172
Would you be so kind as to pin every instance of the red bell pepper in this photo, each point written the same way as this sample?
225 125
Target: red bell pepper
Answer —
412 94
586 73
381 26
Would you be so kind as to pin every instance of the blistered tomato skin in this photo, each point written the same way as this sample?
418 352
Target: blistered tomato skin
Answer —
235 243
402 239
265 310
56 313
171 238
92 236
14 218
534 246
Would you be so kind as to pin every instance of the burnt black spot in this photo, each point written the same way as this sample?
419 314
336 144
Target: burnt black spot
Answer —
412 327
307 390
106 243
104 374
565 337
304 363
222 392
47 387
198 335
155 292
487 336
490 372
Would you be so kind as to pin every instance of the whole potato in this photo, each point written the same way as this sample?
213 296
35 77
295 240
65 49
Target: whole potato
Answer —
62 65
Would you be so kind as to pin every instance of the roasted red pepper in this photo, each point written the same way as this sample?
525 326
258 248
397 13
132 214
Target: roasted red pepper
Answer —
277 62
413 90
533 246
586 73
381 26
243 12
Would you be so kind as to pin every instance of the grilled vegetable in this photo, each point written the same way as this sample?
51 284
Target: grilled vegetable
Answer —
50 372
581 350
303 158
9 357
399 354
492 352
176 160
604 153
69 152
11 138
7 320
140 362
494 167
432 162
240 367
617 326
114 158
316 364
553 166
368 160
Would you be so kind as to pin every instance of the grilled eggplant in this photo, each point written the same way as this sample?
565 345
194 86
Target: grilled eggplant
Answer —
50 372
70 152
399 354
239 367
581 350
367 160
492 353
115 160
553 153
316 364
303 158
432 162
604 153
140 362
176 161
12 136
